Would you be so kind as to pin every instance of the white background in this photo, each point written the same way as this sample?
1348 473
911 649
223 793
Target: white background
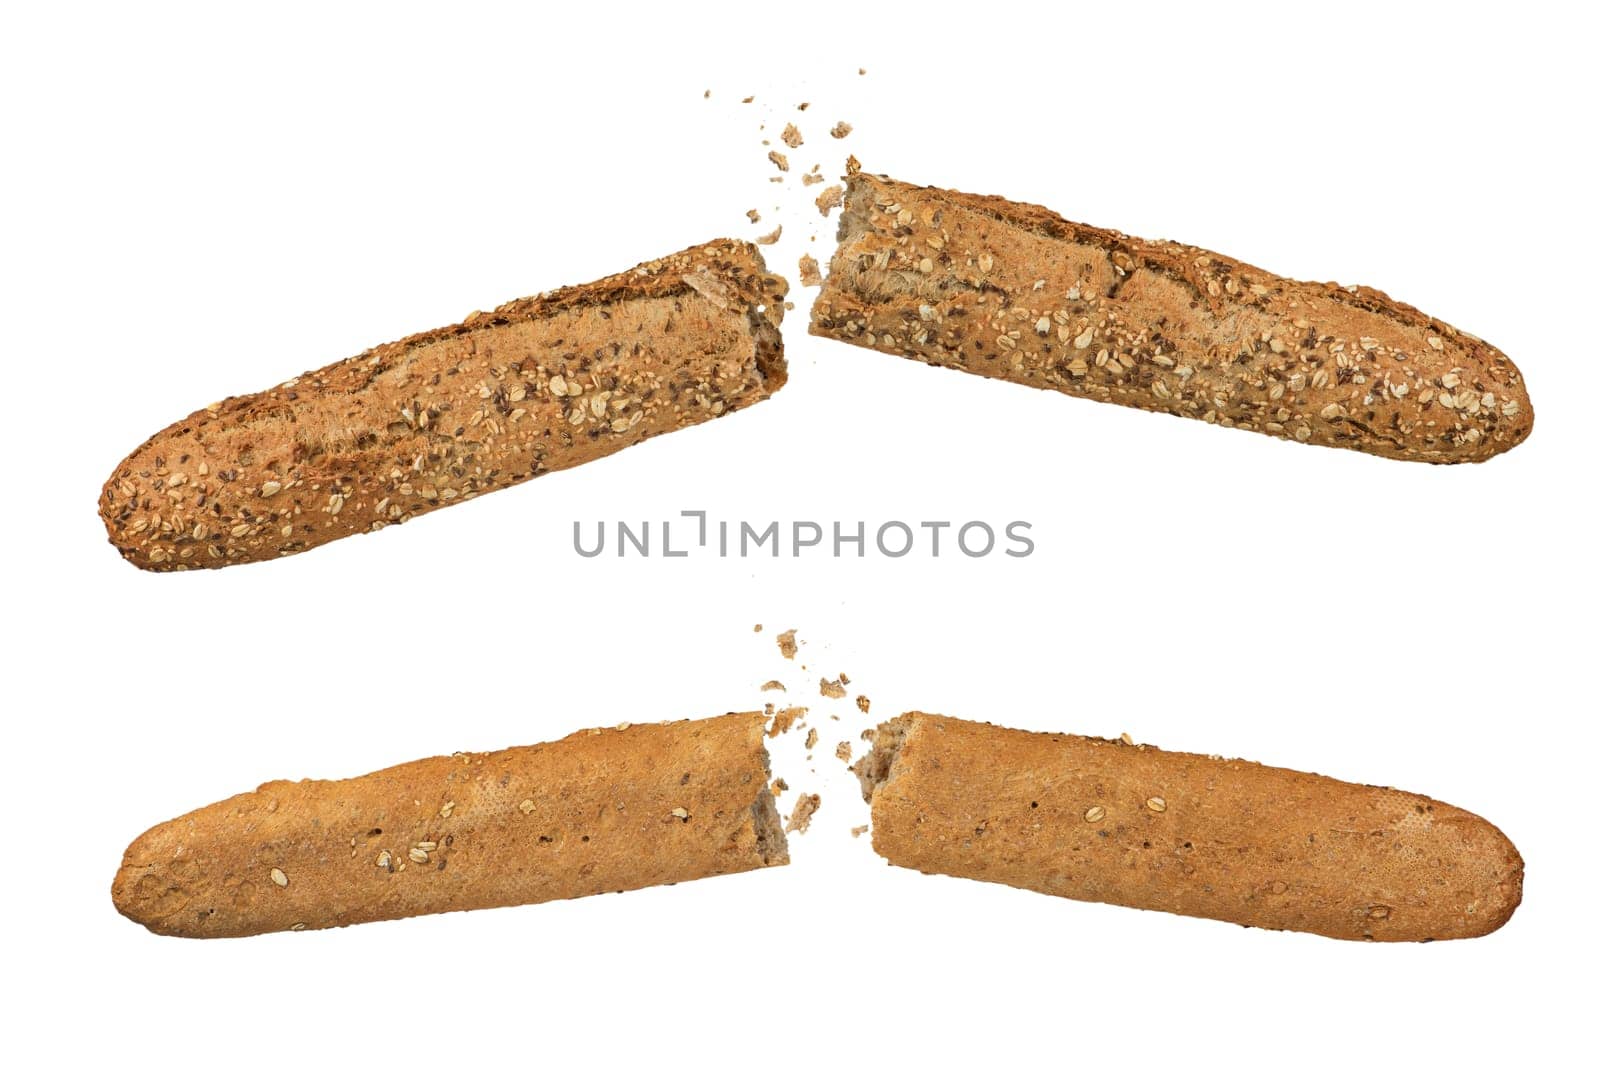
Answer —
204 201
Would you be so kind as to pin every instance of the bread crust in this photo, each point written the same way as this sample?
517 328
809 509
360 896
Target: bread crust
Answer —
1013 291
537 385
598 811
1110 821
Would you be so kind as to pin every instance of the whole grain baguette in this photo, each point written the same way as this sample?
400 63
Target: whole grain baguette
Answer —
1014 291
537 385
1231 840
598 811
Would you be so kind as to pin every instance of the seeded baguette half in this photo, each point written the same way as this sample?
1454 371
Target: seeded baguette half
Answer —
1126 824
596 812
1015 292
537 385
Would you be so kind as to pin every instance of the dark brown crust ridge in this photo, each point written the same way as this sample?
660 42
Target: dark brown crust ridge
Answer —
1110 821
1013 291
537 385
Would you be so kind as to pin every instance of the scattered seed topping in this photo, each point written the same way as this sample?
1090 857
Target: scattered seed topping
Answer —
805 807
1156 804
269 488
279 878
682 814
526 806
1094 814
420 856
386 860
791 135
1379 912
779 160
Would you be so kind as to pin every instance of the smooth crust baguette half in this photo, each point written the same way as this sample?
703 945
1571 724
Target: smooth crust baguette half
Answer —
598 811
1126 824
537 385
1015 292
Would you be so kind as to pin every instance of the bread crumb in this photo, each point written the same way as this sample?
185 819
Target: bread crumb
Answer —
708 94
747 100
758 628
829 199
754 216
773 684
841 130
776 178
782 721
812 179
787 645
863 703
810 273
811 738
803 105
779 160
857 832
844 680
772 238
842 751
800 819
852 166
831 688
778 787
861 70
791 136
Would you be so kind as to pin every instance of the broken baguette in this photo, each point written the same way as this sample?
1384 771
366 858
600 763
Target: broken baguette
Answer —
1126 824
1015 292
598 811
538 385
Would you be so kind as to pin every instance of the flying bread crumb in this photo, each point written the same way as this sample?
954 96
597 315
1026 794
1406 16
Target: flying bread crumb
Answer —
841 130
811 738
782 721
805 807
831 688
810 273
779 160
812 179
772 238
787 645
852 166
829 199
758 628
776 178
842 751
791 136
708 94
754 216
802 106
844 680
747 100
773 684
778 787
857 832
863 703
861 70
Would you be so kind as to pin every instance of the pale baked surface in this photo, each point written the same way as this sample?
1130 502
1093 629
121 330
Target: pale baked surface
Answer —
537 385
1108 821
598 811
1014 291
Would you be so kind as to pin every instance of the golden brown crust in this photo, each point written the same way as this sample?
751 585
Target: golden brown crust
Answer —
537 385
598 811
1014 291
1109 821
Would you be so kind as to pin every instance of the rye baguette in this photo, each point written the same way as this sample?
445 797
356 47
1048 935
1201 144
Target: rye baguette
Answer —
596 812
535 386
1015 292
1126 824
